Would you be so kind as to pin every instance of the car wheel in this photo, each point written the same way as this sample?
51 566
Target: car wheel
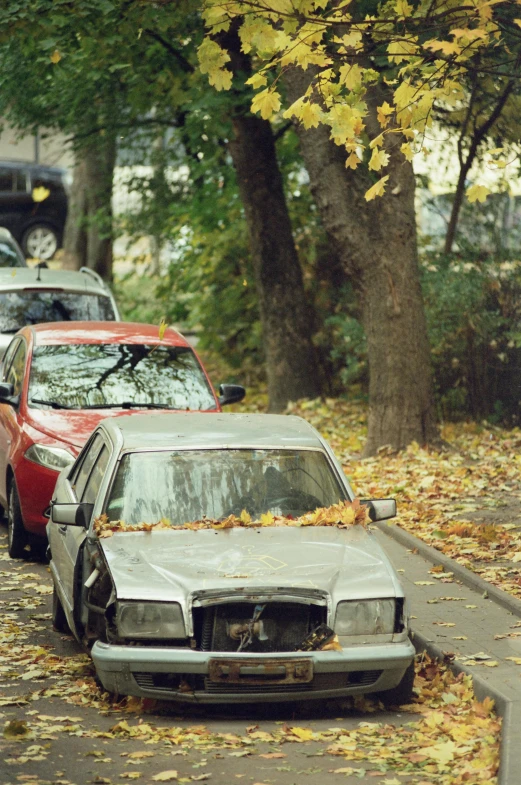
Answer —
16 534
40 241
59 619
403 692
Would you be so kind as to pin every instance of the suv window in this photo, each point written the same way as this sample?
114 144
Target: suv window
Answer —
15 374
6 179
32 306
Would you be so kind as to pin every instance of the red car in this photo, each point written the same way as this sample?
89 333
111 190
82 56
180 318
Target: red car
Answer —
59 380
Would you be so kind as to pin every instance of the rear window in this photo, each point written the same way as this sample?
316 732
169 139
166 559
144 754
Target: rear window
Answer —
19 308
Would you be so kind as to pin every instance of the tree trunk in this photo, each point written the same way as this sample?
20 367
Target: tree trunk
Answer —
75 235
376 244
291 361
285 319
99 166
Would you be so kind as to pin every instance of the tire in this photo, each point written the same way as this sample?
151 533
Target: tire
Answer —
403 692
16 535
40 241
59 620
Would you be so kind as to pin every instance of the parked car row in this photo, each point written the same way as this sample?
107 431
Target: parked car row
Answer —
114 450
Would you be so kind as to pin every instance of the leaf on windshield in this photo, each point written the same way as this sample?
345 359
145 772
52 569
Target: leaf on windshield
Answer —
342 515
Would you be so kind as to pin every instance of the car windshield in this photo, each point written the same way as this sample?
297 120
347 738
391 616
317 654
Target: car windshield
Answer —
9 257
33 306
184 486
87 375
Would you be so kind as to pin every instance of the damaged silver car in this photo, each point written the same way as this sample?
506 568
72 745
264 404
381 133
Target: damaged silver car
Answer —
174 602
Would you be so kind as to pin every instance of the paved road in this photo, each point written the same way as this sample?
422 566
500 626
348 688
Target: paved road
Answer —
60 730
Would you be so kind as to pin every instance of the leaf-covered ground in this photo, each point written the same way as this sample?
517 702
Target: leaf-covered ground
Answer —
464 500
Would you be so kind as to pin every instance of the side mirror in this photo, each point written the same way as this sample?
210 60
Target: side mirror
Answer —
380 509
72 514
231 393
6 394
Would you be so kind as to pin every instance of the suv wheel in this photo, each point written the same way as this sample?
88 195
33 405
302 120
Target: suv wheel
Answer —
40 241
16 534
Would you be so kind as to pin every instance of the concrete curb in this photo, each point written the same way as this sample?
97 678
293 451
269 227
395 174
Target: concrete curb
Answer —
509 710
507 706
467 577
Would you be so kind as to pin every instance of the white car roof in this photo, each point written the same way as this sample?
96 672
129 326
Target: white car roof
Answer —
16 278
195 430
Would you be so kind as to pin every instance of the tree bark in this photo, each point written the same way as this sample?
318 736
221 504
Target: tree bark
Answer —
99 163
291 361
88 231
75 235
376 244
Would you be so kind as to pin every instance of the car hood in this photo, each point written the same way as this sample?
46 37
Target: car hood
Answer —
174 565
71 427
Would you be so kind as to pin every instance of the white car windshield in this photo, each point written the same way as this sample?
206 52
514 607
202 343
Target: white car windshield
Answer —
33 306
90 376
186 485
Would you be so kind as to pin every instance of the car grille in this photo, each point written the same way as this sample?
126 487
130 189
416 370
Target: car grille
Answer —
283 626
166 682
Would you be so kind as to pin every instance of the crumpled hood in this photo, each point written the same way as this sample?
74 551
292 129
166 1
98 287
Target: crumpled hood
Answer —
172 565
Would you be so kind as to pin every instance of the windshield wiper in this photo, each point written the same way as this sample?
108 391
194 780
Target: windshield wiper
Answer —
53 404
128 405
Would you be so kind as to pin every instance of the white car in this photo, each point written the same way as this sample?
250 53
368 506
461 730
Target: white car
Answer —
173 606
31 295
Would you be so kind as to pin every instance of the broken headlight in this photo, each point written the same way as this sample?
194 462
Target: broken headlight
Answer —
365 617
150 620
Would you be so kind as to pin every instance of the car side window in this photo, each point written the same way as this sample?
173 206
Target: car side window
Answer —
95 478
6 179
81 472
15 373
8 356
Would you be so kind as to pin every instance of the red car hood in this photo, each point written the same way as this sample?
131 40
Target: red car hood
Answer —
70 427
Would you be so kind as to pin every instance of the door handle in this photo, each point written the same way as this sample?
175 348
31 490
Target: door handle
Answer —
62 529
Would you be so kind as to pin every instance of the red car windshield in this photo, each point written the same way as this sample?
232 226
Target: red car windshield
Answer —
90 376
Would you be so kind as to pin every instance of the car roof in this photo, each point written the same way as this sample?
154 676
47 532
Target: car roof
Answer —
197 430
57 333
16 278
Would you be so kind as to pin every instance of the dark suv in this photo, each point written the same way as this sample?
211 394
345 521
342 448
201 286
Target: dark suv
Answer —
33 206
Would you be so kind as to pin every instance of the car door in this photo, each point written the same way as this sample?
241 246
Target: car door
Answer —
82 486
14 371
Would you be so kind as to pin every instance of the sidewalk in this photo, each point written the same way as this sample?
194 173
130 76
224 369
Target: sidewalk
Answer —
438 600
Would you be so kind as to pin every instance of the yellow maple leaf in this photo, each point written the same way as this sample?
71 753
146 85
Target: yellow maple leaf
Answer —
257 80
310 115
162 328
351 76
302 733
403 8
267 519
379 159
477 193
407 151
211 61
40 193
378 189
383 112
402 50
245 517
165 776
517 22
446 47
352 161
55 57
266 103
